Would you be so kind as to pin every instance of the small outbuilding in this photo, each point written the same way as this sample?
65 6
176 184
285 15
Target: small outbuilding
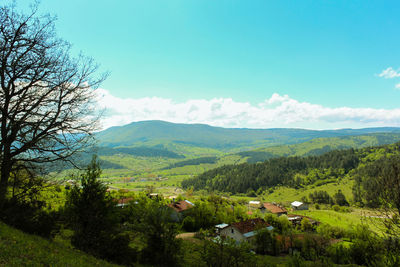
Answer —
273 208
297 205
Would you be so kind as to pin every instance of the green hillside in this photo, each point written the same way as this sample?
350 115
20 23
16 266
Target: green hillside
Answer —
319 146
21 249
293 172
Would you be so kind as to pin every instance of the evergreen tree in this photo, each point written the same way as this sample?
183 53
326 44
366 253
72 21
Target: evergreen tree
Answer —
340 198
91 212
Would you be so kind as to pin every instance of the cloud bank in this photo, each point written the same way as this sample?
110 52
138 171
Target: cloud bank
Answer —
389 73
276 111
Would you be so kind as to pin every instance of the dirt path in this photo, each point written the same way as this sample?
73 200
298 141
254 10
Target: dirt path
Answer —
189 237
186 235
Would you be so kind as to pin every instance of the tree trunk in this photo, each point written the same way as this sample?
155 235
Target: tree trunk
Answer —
5 175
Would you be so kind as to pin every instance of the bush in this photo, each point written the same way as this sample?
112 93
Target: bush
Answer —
331 231
336 207
30 217
339 254
189 224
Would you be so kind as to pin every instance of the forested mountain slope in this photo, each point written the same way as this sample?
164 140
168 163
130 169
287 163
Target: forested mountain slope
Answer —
319 146
294 172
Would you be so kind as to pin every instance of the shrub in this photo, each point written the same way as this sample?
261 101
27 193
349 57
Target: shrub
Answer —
336 207
30 217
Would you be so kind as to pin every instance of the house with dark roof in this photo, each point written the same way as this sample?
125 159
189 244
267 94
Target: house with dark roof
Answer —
273 208
123 201
244 230
179 209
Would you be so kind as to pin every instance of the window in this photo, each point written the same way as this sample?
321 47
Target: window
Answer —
232 231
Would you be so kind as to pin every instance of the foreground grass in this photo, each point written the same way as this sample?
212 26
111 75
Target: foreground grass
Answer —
20 249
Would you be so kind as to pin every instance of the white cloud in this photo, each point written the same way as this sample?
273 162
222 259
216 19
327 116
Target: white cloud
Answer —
397 86
277 111
389 73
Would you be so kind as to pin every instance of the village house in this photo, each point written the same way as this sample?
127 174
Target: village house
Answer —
297 205
254 204
153 195
179 209
123 201
219 227
296 220
273 208
244 230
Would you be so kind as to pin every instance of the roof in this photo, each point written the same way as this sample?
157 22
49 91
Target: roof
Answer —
221 225
181 205
297 203
254 202
123 201
274 208
250 225
296 217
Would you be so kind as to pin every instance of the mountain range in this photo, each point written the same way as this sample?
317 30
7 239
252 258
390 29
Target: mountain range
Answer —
159 145
157 133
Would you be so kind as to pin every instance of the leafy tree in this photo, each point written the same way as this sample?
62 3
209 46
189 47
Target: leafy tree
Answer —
381 188
151 220
320 197
306 226
340 198
266 242
366 248
46 96
225 252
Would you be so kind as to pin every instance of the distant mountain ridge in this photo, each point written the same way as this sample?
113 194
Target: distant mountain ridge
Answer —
227 139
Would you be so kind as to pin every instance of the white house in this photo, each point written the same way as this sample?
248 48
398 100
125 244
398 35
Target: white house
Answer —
244 230
254 203
297 205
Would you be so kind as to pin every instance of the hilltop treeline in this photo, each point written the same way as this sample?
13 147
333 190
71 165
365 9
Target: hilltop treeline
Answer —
292 171
136 151
196 161
278 171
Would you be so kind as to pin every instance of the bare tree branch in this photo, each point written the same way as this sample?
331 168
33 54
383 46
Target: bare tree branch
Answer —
47 109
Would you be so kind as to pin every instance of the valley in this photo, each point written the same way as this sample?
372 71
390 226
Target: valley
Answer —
136 161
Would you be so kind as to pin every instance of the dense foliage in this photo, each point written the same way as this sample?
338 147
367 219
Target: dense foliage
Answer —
278 171
91 212
195 161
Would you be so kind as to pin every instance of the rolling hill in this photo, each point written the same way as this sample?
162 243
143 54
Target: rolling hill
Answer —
153 133
188 149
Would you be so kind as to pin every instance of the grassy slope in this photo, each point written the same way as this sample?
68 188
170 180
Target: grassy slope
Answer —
287 195
319 146
20 249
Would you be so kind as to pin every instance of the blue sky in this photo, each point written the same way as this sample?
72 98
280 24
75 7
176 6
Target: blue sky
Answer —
325 57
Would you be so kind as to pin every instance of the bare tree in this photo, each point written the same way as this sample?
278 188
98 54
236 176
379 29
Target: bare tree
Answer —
46 96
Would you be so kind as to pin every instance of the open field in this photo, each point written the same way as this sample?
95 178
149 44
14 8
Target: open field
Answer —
286 195
345 220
